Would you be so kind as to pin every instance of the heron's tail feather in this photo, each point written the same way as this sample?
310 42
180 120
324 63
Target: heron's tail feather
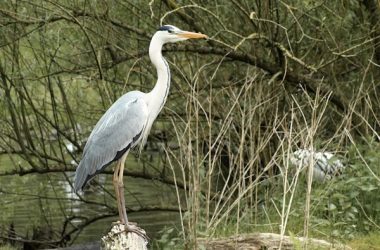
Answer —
80 177
89 166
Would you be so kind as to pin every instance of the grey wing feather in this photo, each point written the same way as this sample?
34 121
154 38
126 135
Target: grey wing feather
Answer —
119 129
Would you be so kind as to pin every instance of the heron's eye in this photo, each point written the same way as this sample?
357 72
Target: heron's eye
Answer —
171 31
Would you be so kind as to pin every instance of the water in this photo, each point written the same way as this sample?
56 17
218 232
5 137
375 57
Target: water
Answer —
47 201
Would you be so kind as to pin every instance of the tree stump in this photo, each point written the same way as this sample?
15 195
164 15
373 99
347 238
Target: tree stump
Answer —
117 239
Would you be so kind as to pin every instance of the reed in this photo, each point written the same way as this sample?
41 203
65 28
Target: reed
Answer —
232 152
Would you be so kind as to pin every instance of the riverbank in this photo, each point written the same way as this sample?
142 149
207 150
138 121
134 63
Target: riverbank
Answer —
257 241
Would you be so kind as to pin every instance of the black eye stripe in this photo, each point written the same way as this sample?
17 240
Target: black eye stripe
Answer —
165 27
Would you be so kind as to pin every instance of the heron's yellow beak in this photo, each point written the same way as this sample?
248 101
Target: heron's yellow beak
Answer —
187 34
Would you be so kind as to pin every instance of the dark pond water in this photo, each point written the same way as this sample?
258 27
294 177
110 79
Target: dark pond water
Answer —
46 200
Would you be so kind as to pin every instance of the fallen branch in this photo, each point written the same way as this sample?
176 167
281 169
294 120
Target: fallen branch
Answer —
259 241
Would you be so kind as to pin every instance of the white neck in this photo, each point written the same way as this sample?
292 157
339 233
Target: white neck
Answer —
157 97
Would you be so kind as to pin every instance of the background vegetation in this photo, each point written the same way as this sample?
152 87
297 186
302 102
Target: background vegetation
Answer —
275 76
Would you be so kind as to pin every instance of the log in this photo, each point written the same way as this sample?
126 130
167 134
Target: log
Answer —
117 238
259 241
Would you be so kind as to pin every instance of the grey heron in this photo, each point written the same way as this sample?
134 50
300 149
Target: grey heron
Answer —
128 121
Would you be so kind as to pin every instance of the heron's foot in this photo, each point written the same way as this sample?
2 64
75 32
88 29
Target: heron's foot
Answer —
117 223
132 227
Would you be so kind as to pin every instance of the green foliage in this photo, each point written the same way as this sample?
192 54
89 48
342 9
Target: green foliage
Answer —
348 205
170 238
352 201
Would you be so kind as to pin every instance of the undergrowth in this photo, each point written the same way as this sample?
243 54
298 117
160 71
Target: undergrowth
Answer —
345 209
238 176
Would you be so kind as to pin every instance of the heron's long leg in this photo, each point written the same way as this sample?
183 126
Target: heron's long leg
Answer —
121 188
116 186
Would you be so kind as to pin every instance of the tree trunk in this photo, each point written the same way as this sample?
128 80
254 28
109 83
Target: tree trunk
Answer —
117 239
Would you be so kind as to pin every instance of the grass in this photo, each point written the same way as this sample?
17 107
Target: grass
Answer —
8 247
366 242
